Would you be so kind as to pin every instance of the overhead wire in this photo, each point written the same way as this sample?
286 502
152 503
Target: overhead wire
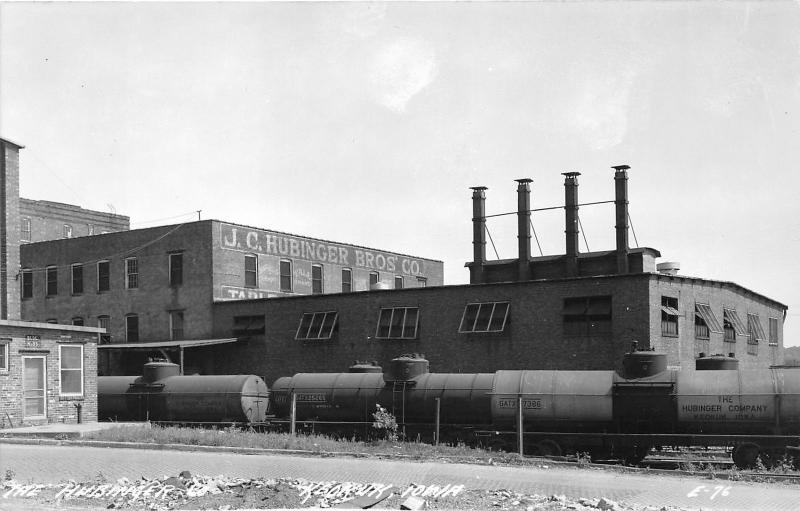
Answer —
123 253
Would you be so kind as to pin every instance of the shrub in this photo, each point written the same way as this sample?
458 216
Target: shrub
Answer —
384 423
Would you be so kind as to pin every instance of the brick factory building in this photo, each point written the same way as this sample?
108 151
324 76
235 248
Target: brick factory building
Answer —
48 373
157 286
574 311
45 220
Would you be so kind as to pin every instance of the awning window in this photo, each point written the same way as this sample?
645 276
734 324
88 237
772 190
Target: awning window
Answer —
704 311
755 329
733 318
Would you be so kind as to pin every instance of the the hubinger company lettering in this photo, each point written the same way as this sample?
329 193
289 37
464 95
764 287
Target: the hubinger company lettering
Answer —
271 243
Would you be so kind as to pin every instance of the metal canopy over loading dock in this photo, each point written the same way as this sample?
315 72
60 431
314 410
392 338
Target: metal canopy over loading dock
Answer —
168 346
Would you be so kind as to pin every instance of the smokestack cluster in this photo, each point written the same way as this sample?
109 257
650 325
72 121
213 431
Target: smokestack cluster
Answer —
571 228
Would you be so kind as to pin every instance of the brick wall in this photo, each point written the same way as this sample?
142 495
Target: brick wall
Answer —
151 300
9 246
47 220
682 349
41 340
533 339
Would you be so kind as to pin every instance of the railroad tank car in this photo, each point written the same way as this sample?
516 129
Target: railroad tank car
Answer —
407 390
757 412
162 394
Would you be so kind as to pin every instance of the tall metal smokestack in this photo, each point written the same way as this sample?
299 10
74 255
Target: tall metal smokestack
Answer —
523 227
478 233
621 206
571 230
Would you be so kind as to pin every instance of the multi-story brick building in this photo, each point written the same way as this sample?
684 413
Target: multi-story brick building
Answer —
575 311
159 284
45 220
47 372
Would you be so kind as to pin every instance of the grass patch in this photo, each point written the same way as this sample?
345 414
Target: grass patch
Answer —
234 437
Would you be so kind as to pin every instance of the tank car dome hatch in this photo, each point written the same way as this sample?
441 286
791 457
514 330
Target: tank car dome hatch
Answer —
365 367
154 371
406 368
716 362
643 363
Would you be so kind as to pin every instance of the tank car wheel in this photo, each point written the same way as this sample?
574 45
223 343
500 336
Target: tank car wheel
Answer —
547 447
745 455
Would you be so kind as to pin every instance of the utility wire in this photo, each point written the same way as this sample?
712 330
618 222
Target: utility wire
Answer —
490 239
633 231
536 237
580 226
118 254
547 209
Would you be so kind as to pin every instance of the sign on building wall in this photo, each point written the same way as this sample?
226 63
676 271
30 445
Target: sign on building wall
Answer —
245 293
271 243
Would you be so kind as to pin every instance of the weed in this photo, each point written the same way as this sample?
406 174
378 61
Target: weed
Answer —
385 423
9 474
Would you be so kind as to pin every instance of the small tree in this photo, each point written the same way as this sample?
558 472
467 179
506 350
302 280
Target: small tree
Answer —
385 423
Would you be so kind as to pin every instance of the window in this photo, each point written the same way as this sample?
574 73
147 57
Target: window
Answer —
316 279
250 271
398 282
374 278
104 322
131 273
347 280
77 279
52 281
77 321
4 343
103 276
398 323
34 380
176 269
176 325
25 230
773 331
27 284
587 316
755 332
317 325
705 321
286 275
732 325
422 282
71 365
484 317
248 325
132 328
669 316
67 231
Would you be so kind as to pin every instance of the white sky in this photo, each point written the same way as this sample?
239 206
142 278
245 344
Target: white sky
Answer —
367 123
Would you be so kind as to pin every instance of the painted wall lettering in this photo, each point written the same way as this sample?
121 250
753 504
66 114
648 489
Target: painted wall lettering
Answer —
244 293
272 243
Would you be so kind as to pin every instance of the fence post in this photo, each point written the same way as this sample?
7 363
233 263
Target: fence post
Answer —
293 414
436 433
519 426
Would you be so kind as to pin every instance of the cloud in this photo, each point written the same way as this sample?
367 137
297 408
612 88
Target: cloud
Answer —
399 69
600 112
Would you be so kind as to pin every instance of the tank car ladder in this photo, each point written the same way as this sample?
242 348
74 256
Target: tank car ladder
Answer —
399 388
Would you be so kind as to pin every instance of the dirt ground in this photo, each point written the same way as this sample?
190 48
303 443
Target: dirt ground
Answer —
187 491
